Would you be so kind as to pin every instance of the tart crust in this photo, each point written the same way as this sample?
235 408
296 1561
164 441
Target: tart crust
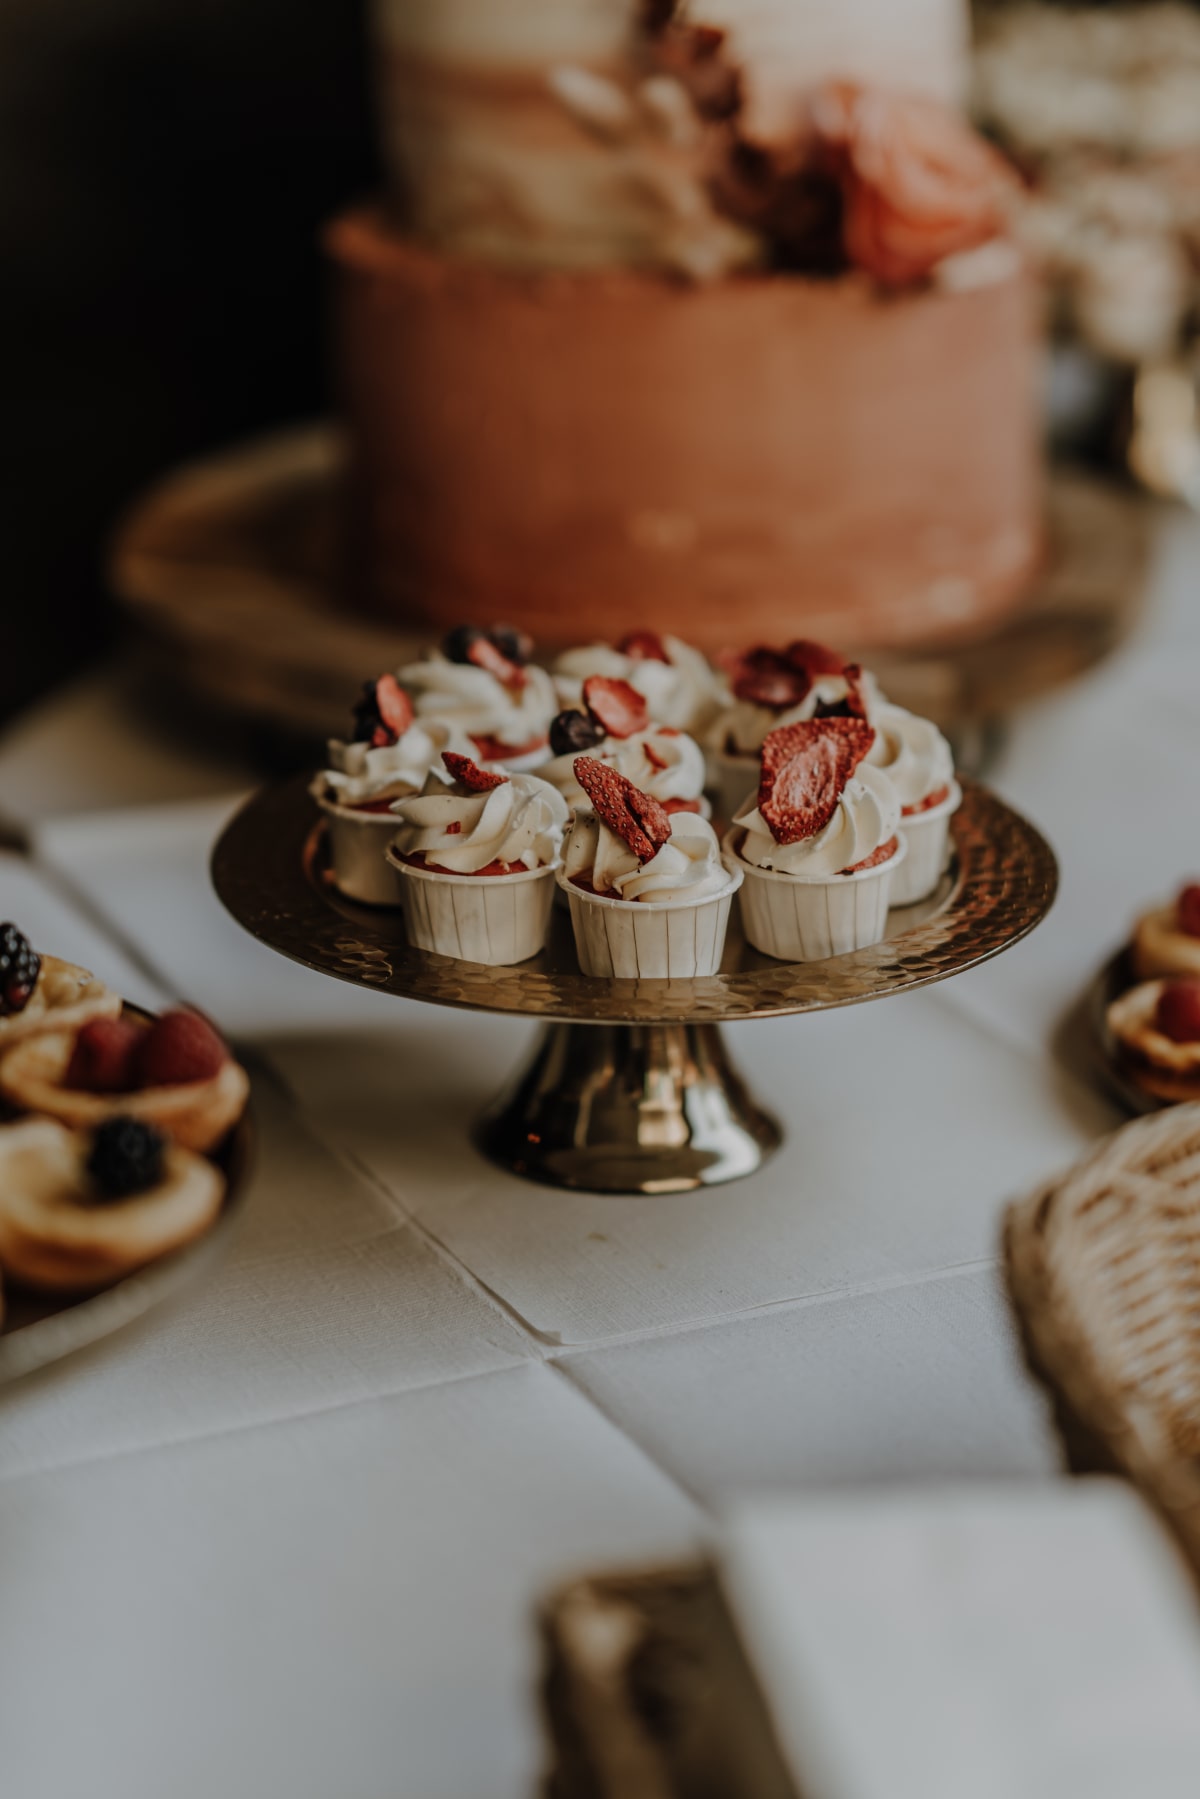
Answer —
52 1236
1167 1069
195 1114
1161 948
65 997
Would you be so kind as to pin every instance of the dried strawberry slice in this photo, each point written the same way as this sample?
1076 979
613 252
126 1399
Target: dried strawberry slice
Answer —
765 677
484 654
469 774
637 819
814 658
653 758
615 705
644 646
884 853
395 707
805 769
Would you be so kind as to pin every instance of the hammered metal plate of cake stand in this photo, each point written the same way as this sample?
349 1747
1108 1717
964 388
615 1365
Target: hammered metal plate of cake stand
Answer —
236 570
39 1328
630 1089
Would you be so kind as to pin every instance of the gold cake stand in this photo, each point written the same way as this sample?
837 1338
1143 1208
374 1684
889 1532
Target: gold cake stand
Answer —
630 1089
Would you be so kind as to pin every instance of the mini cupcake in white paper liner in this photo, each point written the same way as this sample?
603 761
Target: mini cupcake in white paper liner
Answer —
927 837
631 940
808 918
730 782
493 919
357 850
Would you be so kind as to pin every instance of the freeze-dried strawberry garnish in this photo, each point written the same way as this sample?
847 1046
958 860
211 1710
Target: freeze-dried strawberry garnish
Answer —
637 819
484 654
493 749
644 646
395 707
102 1057
620 708
1189 910
178 1048
1177 1015
653 758
672 806
815 658
765 677
884 853
805 769
928 803
470 775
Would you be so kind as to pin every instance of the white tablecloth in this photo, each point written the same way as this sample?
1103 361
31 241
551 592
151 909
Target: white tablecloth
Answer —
287 1537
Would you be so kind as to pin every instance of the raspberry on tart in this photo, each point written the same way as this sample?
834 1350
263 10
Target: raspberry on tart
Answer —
80 1209
175 1073
1156 1027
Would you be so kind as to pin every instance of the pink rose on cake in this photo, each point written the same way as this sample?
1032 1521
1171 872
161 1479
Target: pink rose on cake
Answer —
918 185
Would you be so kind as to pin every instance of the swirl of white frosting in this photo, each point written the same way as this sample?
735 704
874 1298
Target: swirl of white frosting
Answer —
521 823
912 752
683 692
741 725
867 816
688 867
358 773
663 762
474 701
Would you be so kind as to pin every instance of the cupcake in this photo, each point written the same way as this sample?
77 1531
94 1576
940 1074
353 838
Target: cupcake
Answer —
920 765
476 862
42 993
1167 940
766 689
679 687
1156 1026
821 847
79 1209
648 890
481 685
389 755
614 727
176 1074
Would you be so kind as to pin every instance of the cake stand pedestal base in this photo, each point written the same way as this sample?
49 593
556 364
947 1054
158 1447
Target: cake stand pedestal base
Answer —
610 1108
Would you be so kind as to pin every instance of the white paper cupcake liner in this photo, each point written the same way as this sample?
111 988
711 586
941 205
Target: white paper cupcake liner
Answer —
729 782
357 850
927 835
807 918
631 940
494 919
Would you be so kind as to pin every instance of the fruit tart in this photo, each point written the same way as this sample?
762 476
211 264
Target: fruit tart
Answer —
648 891
768 688
476 861
41 993
1167 940
1156 1026
613 725
79 1209
482 685
820 844
175 1073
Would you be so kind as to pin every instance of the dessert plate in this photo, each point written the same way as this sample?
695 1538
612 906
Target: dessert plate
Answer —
43 1327
630 1089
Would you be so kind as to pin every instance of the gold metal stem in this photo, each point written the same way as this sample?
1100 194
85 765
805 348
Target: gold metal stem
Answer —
654 1108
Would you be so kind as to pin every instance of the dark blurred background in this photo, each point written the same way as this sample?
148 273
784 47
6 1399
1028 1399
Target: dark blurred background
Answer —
164 170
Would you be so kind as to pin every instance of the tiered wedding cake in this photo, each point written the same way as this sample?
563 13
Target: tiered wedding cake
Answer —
697 317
